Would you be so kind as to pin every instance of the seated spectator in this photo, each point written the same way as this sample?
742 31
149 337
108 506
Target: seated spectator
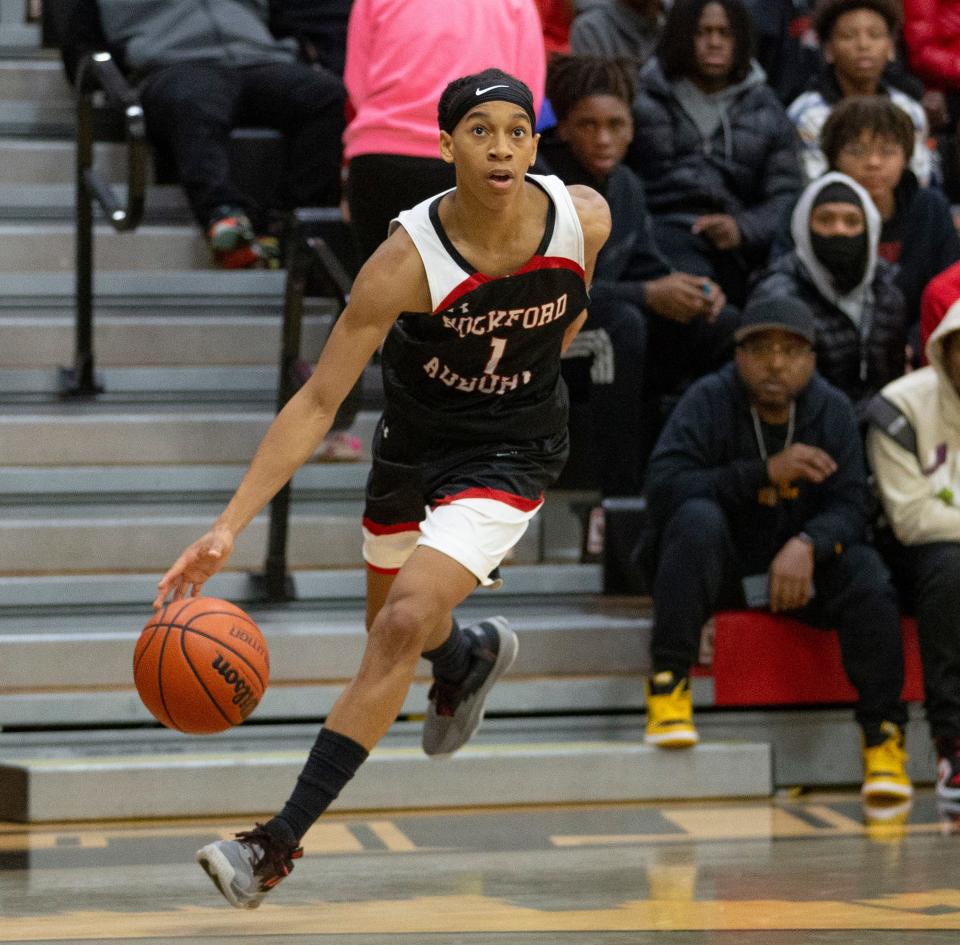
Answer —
858 39
713 146
400 57
637 304
937 298
619 29
203 69
914 449
871 140
787 46
758 478
835 270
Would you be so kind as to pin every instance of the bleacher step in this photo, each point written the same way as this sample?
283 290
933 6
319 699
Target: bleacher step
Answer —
73 483
575 656
50 247
57 202
110 536
253 771
70 592
52 161
77 434
40 80
19 38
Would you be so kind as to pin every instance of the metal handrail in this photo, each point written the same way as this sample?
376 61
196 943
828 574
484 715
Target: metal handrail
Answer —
98 77
307 255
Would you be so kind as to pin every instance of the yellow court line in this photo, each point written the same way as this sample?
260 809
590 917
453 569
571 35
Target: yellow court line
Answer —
392 836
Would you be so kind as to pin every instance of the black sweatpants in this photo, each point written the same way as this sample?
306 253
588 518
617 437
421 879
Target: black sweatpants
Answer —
699 571
933 572
192 107
379 186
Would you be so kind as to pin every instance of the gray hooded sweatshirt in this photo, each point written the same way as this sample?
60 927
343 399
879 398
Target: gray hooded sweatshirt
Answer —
157 33
615 29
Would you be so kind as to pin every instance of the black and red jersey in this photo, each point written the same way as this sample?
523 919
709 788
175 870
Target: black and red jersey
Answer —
484 364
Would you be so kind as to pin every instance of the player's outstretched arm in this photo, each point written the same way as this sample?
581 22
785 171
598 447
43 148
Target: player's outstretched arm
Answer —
594 217
392 281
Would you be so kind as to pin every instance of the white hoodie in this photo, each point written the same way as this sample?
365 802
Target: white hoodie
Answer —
854 302
921 489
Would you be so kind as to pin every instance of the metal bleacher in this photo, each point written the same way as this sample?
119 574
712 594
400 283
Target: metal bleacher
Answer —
99 494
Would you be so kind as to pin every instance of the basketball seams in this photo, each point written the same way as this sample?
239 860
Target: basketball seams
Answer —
203 685
226 646
163 700
158 623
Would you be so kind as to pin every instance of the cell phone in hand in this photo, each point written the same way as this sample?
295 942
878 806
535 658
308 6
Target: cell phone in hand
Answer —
756 590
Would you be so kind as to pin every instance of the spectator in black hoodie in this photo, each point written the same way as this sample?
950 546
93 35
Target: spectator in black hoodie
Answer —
871 140
713 146
759 474
650 329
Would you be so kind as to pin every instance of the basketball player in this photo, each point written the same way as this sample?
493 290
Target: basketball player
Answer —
477 292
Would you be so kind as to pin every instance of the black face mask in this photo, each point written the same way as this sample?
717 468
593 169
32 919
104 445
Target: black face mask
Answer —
845 258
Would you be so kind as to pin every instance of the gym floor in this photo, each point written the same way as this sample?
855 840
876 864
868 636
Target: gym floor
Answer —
792 871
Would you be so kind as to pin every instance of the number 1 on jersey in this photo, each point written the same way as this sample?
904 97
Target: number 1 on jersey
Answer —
497 347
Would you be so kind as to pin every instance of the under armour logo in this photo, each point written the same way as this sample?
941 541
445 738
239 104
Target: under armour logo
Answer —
490 88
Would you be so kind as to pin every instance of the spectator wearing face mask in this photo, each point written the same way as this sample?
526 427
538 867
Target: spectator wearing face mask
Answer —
835 268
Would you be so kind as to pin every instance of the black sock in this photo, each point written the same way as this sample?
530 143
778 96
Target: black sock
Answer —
333 761
451 660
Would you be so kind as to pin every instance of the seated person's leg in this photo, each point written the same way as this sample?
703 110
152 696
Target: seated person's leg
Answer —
854 594
694 253
412 179
616 336
189 110
696 570
307 105
935 569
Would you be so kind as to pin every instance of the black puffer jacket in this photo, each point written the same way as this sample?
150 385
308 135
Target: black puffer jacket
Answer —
749 168
860 365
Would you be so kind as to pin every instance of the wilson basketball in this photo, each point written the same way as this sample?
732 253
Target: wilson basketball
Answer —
201 665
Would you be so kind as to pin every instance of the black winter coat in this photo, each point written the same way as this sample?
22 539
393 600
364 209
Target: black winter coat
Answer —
708 449
630 257
751 170
859 365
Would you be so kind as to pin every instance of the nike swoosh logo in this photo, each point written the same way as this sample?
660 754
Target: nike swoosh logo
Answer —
490 88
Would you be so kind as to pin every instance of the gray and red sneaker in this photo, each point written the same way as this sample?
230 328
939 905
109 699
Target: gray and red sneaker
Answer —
247 868
456 710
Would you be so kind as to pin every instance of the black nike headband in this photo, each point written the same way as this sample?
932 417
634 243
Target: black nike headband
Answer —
475 94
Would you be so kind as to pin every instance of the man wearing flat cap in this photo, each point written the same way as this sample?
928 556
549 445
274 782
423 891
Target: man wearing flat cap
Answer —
757 494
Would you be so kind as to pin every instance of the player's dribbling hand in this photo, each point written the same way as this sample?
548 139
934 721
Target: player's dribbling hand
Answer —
195 566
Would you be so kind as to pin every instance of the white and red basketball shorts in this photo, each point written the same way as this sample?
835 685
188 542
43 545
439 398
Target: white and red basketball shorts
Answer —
470 501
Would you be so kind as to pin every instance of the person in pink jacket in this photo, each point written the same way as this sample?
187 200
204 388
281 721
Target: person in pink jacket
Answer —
400 56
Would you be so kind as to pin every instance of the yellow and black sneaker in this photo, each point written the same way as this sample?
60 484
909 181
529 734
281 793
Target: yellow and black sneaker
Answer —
885 767
670 712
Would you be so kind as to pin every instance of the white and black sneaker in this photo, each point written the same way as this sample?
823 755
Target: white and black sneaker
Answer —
456 709
246 869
